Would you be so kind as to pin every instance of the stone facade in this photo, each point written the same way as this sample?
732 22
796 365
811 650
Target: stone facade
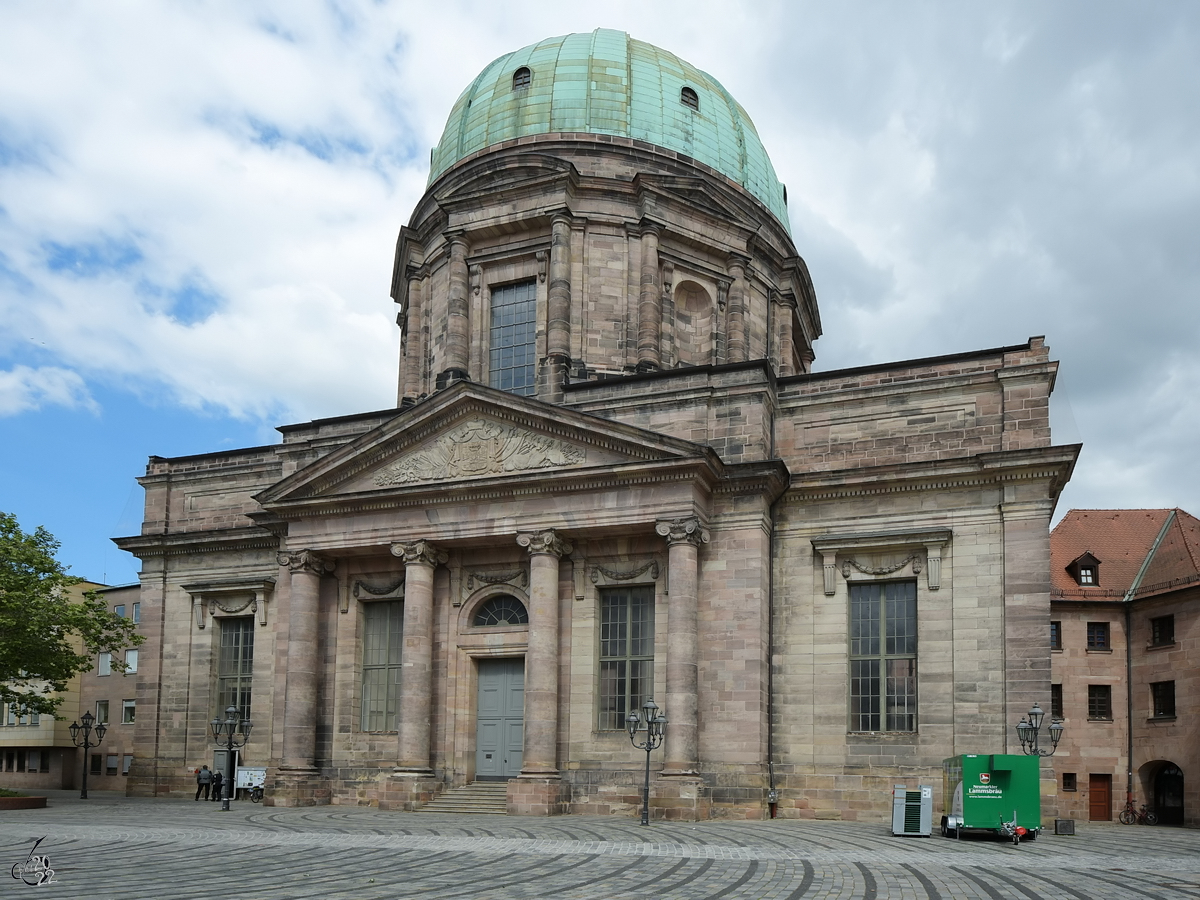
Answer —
671 447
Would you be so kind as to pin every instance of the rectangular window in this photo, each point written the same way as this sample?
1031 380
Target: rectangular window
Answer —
1163 695
883 656
235 665
97 764
1162 631
119 610
626 653
101 712
45 766
513 333
34 759
10 760
1099 701
1087 575
110 765
104 664
1097 636
1056 704
1056 635
1069 783
128 711
131 660
20 760
137 613
383 636
126 762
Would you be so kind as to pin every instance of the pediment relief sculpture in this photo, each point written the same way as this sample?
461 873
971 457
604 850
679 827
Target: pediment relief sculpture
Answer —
481 447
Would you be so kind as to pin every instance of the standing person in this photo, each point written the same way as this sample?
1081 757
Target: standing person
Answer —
217 780
203 782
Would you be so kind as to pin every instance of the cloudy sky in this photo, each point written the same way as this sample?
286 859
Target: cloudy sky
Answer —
199 203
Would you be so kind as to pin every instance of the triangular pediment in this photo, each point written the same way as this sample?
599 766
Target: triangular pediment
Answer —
470 434
694 194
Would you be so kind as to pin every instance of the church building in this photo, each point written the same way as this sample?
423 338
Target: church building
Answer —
611 474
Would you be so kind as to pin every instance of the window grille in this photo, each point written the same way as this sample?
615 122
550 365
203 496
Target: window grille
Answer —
383 638
626 652
883 656
513 333
235 665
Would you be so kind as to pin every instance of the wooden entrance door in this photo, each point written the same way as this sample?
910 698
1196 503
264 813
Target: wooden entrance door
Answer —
500 728
1100 798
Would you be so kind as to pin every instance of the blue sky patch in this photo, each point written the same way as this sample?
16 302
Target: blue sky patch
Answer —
191 302
87 260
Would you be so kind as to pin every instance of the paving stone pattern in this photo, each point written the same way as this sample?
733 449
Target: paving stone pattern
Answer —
114 847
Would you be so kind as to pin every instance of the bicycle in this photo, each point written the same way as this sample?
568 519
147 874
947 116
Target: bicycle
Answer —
256 793
1130 815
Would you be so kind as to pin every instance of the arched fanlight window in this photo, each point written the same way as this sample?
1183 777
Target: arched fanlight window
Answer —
504 609
521 78
689 99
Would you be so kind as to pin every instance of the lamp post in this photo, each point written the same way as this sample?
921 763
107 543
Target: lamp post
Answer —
654 723
1030 727
230 734
84 728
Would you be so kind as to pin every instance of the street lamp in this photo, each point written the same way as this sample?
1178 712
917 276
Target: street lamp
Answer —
85 729
654 723
231 734
1031 726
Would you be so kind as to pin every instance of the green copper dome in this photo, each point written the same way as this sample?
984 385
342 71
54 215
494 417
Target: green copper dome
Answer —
608 83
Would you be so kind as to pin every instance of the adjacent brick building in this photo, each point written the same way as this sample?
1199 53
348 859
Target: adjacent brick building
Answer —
1125 632
611 474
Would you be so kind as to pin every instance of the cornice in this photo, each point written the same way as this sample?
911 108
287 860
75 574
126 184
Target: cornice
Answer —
189 542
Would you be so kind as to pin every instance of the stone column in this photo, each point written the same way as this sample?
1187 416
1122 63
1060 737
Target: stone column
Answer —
737 310
558 308
540 756
458 315
412 349
416 655
786 306
684 536
300 704
649 304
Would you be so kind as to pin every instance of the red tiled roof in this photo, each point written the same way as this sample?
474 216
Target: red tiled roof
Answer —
1121 539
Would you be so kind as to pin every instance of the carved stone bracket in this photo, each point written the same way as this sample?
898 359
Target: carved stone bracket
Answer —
688 529
931 540
419 553
482 578
306 561
541 257
230 598
544 542
600 573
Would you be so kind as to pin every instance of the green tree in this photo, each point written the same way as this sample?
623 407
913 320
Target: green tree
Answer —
46 637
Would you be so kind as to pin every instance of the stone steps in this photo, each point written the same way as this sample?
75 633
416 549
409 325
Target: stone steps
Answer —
479 798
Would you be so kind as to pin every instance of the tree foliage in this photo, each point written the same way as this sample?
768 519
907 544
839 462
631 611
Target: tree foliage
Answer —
47 636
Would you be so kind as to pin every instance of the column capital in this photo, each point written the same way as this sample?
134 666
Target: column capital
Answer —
689 529
306 561
540 542
419 553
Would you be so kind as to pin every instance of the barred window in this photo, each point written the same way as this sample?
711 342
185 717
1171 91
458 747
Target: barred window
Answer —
1056 635
626 652
1099 701
383 637
883 656
235 666
511 357
1097 636
502 610
1162 631
1163 695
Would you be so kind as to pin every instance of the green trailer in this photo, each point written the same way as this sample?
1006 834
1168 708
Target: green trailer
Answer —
998 793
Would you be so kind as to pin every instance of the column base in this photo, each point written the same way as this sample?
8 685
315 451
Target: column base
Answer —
680 797
296 786
408 789
534 795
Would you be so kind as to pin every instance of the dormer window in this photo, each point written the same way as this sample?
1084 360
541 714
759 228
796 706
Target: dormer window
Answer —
521 78
1085 570
689 99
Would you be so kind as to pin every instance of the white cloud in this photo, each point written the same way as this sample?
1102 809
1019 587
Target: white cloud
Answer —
23 389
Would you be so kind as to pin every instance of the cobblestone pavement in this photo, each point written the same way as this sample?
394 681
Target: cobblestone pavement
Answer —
113 847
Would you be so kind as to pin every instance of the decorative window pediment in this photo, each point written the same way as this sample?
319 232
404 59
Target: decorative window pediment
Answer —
230 598
920 549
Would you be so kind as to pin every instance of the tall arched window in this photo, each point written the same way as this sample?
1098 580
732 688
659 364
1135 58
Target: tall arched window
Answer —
689 99
521 78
